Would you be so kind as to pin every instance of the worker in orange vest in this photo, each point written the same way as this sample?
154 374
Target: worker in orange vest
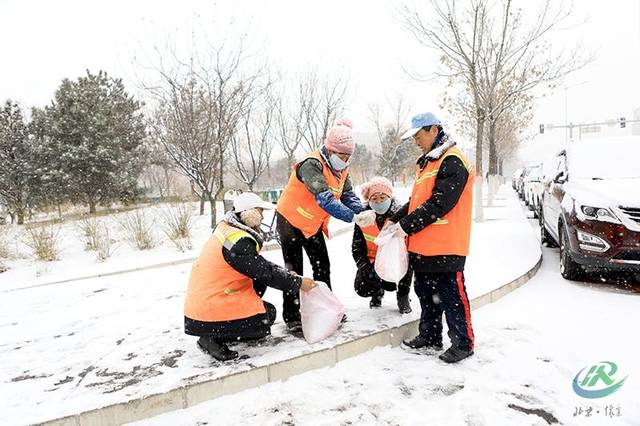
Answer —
224 297
319 188
378 193
437 224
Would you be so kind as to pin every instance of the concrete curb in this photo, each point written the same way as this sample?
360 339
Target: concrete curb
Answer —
192 394
269 247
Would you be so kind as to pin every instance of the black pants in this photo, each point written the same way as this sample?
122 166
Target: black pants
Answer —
250 328
293 241
368 283
444 292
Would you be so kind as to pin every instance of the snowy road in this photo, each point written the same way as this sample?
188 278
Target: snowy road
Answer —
530 346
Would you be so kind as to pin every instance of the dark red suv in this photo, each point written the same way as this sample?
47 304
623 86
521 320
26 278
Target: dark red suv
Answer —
591 207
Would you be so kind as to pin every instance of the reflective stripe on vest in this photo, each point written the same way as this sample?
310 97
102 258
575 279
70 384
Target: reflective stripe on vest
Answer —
299 206
216 291
370 233
450 234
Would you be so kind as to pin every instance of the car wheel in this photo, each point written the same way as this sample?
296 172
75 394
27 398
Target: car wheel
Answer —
569 269
545 236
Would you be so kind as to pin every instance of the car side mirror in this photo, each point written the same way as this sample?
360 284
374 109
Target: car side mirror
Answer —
560 177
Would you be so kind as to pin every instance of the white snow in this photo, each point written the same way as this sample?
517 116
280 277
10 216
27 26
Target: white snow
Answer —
77 346
529 347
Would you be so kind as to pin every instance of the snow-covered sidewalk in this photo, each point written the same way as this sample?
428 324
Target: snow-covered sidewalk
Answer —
74 347
529 347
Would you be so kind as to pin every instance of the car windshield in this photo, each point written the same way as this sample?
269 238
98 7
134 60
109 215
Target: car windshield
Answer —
534 173
605 159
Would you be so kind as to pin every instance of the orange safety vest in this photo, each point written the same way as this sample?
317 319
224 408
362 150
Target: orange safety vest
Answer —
299 206
448 235
370 233
216 291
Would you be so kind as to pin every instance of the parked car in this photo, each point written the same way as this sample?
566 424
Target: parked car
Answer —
591 207
532 188
515 178
520 182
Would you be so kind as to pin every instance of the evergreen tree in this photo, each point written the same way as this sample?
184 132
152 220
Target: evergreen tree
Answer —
16 173
98 130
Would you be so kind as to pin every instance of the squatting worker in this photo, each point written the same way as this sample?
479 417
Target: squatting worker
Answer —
319 188
224 297
437 223
378 193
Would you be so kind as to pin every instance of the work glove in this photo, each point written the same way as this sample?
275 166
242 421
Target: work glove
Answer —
393 229
365 218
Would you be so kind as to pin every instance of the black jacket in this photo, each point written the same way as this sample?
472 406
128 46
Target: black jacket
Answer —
244 258
359 244
450 181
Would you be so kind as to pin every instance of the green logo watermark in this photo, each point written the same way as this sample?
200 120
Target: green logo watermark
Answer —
597 380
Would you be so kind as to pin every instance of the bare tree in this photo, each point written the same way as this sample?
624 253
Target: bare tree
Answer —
394 156
290 118
251 146
459 37
198 105
496 57
324 104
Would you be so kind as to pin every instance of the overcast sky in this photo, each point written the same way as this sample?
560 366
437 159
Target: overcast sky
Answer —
45 41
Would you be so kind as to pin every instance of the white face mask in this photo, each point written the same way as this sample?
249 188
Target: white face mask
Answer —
252 218
338 163
381 208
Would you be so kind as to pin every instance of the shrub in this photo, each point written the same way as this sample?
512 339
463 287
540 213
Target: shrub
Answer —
177 225
43 241
90 229
138 230
103 245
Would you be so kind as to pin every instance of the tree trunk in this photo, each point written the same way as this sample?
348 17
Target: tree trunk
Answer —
202 201
59 210
493 161
212 207
92 206
479 173
20 217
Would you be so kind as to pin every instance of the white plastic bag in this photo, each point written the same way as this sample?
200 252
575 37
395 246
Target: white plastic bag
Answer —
392 258
321 313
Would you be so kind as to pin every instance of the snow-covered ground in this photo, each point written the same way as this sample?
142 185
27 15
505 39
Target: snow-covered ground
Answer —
73 347
529 347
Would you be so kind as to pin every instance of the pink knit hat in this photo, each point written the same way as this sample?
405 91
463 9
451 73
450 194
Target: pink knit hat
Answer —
375 185
340 137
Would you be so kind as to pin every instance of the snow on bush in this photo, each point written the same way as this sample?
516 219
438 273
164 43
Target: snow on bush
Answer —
178 222
43 241
138 229
90 228
103 244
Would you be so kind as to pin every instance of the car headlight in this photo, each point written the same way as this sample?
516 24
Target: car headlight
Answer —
602 214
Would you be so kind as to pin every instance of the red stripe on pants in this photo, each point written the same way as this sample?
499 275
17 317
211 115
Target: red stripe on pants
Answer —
467 308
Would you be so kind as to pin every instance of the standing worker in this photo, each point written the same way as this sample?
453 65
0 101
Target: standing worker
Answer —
224 297
437 222
378 193
319 187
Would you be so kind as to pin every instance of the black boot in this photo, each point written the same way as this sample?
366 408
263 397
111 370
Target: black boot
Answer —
422 342
376 299
218 350
454 354
404 305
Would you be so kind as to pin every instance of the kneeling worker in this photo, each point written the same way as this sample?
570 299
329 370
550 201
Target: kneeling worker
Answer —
224 297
